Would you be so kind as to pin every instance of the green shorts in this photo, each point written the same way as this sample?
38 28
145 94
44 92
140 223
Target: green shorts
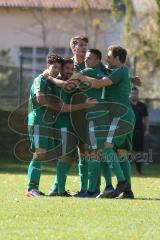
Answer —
97 132
66 141
122 138
96 136
40 137
124 142
118 132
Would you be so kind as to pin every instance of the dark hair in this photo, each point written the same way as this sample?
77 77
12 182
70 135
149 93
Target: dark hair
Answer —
67 61
135 89
96 52
119 51
75 40
54 58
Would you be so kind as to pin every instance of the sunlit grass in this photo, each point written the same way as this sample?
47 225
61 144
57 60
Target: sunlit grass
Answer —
72 218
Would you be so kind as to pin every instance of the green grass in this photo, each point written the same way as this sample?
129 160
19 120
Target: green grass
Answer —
71 218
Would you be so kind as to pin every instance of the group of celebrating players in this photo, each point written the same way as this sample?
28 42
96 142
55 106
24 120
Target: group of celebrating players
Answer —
79 112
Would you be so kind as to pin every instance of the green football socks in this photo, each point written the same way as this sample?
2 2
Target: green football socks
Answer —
62 171
126 167
112 159
34 173
93 175
98 185
83 173
107 173
55 185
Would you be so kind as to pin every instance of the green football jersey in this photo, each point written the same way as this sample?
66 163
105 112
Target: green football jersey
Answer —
64 117
37 115
79 66
120 90
95 72
56 90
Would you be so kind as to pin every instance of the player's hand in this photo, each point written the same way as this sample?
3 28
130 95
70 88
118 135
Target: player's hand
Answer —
137 81
45 73
91 103
75 81
77 76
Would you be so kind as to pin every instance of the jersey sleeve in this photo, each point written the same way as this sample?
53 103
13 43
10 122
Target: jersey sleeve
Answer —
39 85
88 72
84 72
116 76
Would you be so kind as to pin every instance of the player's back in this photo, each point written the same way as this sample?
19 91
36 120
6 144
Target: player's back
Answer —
120 90
37 115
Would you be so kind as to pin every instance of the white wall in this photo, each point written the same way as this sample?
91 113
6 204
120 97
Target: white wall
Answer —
20 28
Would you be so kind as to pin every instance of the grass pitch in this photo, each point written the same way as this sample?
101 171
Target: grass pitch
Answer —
56 218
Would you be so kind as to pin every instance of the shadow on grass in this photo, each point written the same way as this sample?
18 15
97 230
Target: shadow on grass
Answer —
10 165
151 170
147 199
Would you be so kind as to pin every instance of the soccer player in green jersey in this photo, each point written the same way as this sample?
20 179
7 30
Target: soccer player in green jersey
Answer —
38 127
93 69
118 88
79 45
93 60
68 151
64 125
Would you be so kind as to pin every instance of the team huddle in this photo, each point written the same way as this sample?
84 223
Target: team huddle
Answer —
80 112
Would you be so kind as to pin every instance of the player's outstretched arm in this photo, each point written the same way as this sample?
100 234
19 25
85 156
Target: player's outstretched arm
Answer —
93 82
76 107
57 82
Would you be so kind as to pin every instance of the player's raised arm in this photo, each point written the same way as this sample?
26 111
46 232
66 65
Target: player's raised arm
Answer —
93 82
58 82
76 107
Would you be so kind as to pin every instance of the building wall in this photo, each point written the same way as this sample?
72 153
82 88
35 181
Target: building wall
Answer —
23 28
114 34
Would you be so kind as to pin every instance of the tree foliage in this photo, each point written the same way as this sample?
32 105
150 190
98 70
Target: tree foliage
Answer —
142 38
7 68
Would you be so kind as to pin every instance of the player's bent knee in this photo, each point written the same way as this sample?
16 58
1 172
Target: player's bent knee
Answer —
93 155
67 159
40 154
122 153
83 149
